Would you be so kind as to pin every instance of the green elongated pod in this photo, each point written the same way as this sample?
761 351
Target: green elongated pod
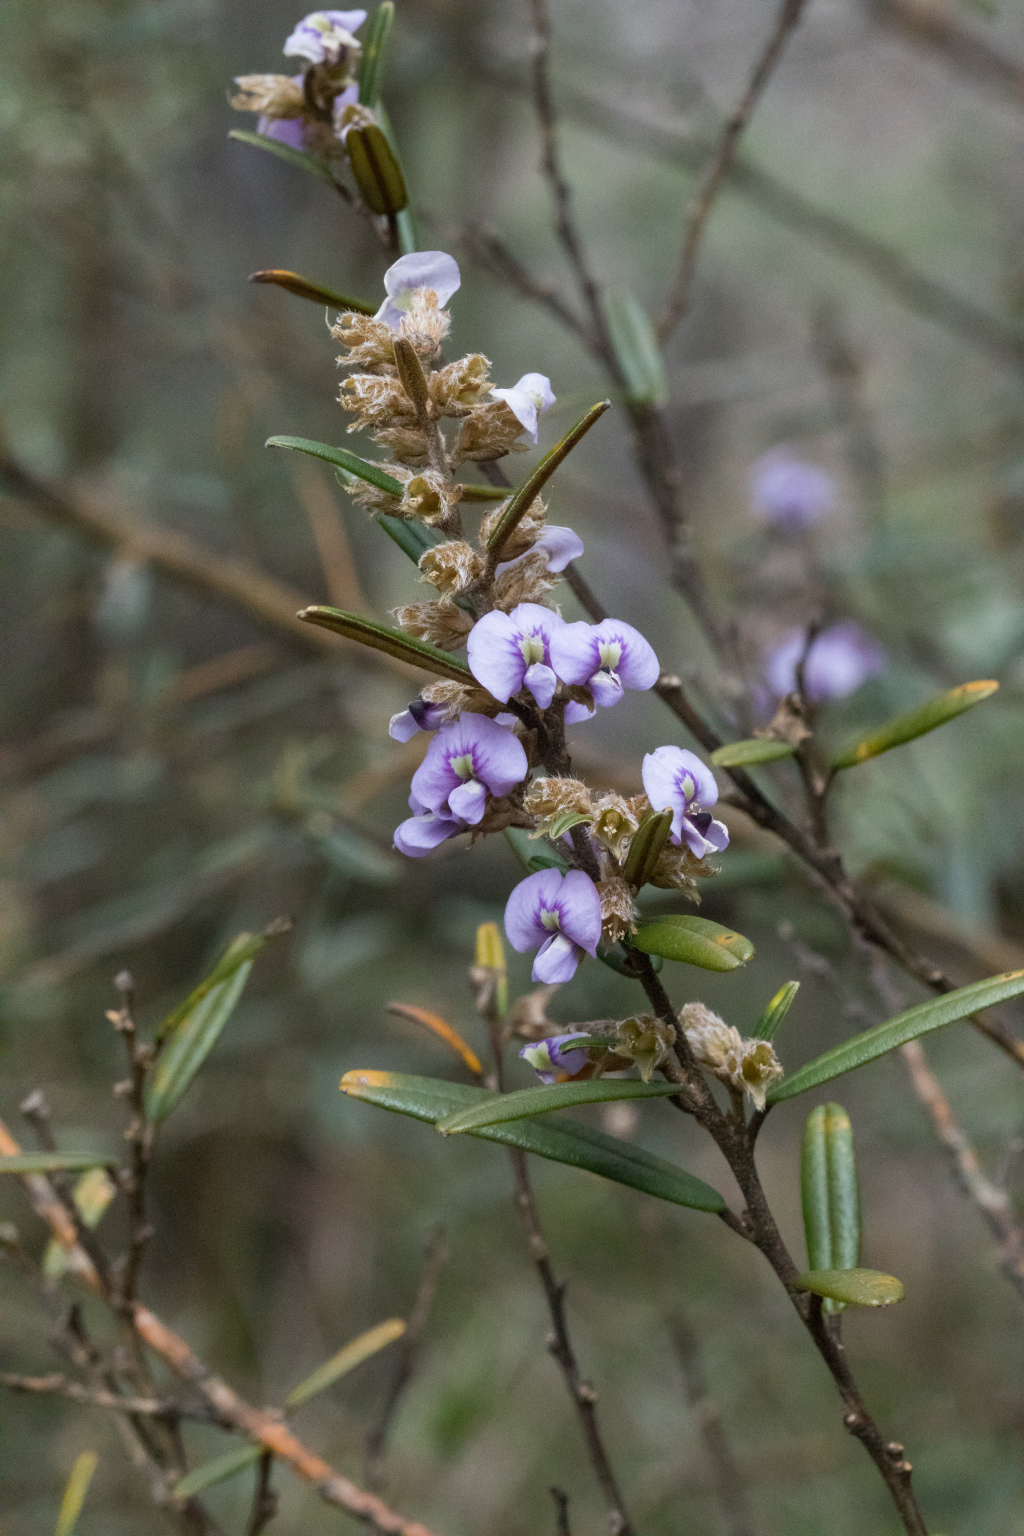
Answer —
645 848
828 1192
375 170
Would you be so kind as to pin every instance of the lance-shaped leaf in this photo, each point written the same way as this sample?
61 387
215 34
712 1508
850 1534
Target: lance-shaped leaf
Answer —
375 170
636 349
54 1162
343 460
776 1011
828 1192
190 1042
535 483
695 940
917 723
579 1146
75 1492
562 824
304 289
935 1014
375 44
245 947
412 537
645 848
442 1030
854 1287
380 637
296 157
220 1468
746 754
529 1102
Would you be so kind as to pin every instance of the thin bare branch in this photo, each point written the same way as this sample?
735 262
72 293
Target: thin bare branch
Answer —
703 200
434 1259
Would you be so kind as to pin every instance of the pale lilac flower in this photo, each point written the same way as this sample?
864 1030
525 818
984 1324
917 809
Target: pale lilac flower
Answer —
528 400
550 1060
789 494
420 269
557 545
420 716
425 830
322 37
506 651
561 914
676 780
467 760
839 660
605 657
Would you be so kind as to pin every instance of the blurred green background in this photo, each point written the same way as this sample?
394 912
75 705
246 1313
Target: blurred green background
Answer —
174 773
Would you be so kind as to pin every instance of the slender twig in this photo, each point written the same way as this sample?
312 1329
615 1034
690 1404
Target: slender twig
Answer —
967 53
139 1136
678 301
723 1471
264 1499
561 1498
114 1402
435 1257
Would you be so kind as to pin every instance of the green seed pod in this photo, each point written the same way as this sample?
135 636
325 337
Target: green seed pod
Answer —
376 171
645 849
828 1191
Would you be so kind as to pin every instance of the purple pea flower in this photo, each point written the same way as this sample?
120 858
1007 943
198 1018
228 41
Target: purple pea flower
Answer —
561 914
323 37
507 650
420 716
292 130
558 546
551 1061
467 760
839 660
677 781
420 269
605 657
789 494
528 400
425 830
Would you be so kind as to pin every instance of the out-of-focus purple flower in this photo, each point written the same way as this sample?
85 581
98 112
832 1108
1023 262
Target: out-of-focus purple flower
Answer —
420 269
551 1061
677 781
557 545
605 657
507 650
425 830
285 130
561 914
420 716
467 760
323 36
839 660
528 400
788 493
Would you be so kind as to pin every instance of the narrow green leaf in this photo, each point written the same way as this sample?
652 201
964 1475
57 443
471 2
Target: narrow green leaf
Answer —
776 1011
578 1146
412 537
645 848
917 723
695 940
54 1162
525 850
296 157
828 1192
935 1014
379 637
616 957
190 1042
246 946
484 492
343 459
371 66
75 1492
532 487
217 1470
563 823
304 289
529 1102
745 754
855 1287
636 349
348 1357
92 1194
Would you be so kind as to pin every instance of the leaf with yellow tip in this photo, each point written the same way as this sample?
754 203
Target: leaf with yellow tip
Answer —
855 1287
75 1492
917 723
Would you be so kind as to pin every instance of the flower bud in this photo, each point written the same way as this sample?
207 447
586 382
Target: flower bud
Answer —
645 1040
375 170
749 1066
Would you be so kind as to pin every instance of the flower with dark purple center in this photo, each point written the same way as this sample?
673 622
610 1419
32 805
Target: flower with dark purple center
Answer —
420 716
605 657
467 760
325 37
838 661
559 913
507 651
425 830
676 780
789 494
550 1059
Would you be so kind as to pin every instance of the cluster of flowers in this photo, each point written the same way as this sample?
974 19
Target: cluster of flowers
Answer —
311 111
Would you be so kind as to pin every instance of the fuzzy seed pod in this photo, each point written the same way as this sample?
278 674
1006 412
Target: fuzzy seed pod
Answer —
440 623
376 401
523 536
458 387
489 432
551 797
407 443
748 1066
451 567
618 910
370 343
524 582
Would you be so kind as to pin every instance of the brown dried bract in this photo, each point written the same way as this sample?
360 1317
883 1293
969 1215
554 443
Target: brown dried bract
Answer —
440 623
451 567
